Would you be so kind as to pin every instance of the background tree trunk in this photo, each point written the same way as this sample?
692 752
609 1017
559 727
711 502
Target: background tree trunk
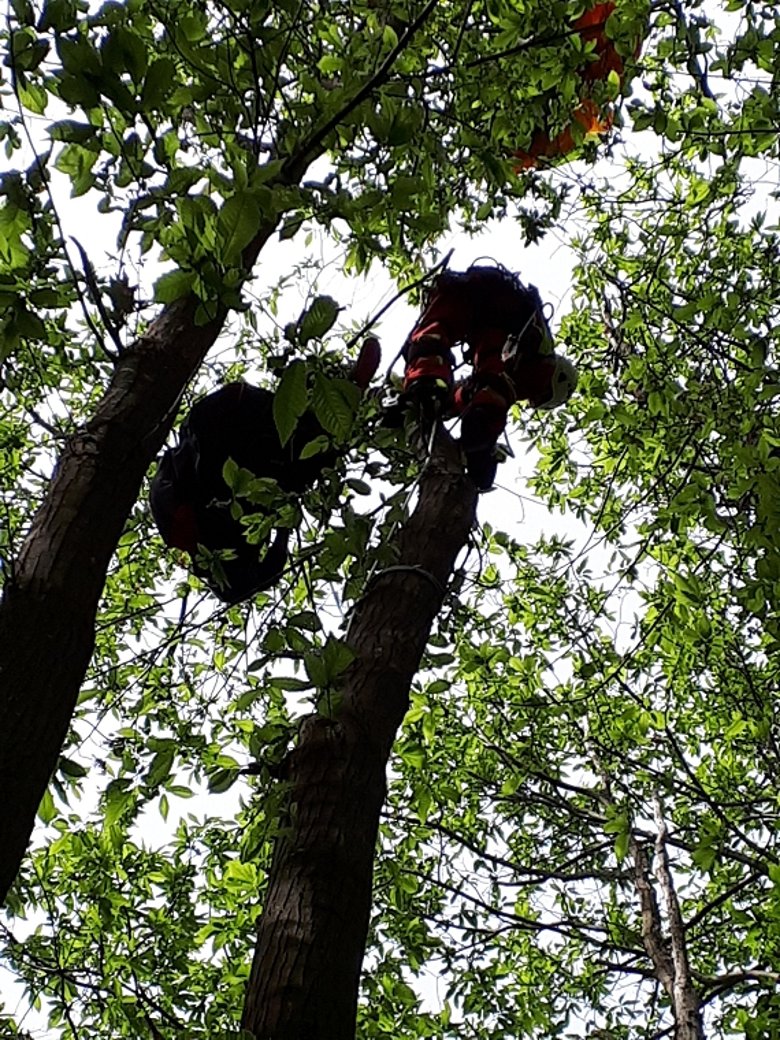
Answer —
312 933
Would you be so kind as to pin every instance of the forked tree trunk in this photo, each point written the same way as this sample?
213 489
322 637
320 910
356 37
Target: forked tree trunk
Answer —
312 933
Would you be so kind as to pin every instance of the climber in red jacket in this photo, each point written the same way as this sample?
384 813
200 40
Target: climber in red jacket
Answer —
506 338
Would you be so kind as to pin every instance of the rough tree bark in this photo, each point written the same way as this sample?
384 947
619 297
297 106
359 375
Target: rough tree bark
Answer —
49 604
312 933
686 1004
668 954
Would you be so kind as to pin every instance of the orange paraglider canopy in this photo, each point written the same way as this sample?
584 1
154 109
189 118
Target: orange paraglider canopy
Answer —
591 25
587 115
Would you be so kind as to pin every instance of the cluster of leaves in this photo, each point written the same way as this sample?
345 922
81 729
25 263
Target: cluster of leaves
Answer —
193 126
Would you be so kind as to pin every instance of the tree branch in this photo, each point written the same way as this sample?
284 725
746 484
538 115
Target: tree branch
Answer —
685 1000
652 928
299 160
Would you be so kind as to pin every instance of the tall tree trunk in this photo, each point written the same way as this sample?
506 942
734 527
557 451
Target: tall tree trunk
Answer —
48 609
49 603
312 933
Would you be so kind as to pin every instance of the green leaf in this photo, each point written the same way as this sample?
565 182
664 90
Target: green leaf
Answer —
47 811
34 98
160 768
180 791
337 657
290 400
28 53
173 286
23 12
316 669
317 319
360 487
30 325
231 475
71 768
159 82
290 228
290 684
315 447
118 798
237 225
222 780
72 131
306 619
335 403
60 15
77 162
622 843
414 756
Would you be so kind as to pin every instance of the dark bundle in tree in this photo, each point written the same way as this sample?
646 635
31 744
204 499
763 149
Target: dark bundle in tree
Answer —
193 505
191 500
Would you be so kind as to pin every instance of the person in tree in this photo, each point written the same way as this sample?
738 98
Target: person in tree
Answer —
506 338
193 506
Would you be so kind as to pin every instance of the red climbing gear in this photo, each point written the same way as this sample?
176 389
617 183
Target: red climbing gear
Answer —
428 350
506 337
368 361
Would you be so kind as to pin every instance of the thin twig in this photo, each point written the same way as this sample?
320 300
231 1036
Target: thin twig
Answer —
697 72
94 290
401 292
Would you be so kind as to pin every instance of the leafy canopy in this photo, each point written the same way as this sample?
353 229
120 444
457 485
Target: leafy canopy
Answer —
586 689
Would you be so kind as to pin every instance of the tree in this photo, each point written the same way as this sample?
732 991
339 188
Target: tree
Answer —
579 826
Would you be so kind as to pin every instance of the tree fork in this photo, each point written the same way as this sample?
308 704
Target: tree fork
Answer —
312 932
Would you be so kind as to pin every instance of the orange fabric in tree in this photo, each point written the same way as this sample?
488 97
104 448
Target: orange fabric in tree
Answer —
592 26
589 117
